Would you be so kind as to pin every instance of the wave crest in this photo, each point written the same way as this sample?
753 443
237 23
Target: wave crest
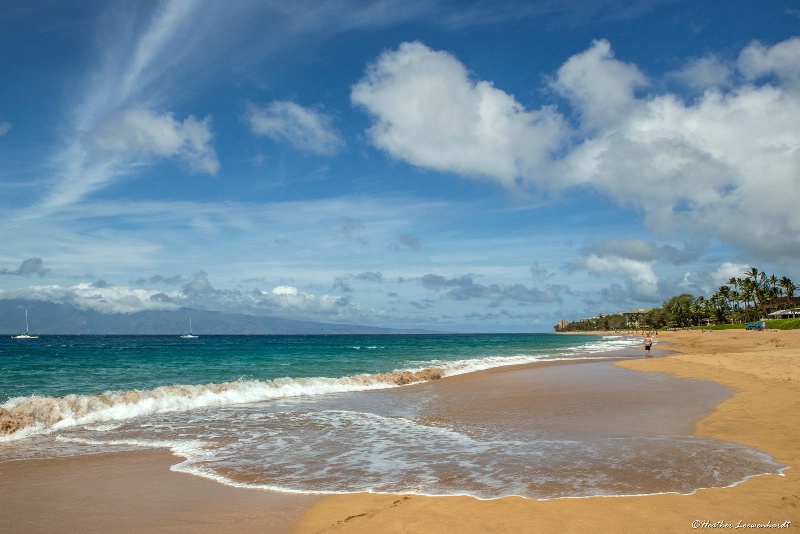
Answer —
23 416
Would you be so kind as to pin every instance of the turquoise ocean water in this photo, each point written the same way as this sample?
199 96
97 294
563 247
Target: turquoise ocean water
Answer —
329 414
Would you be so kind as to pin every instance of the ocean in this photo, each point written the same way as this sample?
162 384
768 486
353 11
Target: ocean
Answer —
352 413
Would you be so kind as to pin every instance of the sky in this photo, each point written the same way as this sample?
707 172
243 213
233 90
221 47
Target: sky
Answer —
465 166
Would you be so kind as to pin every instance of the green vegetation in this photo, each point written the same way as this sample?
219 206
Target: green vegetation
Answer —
733 305
773 324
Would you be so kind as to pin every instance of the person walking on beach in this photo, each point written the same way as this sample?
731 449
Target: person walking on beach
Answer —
648 342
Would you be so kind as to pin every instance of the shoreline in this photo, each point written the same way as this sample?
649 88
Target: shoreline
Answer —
765 375
75 489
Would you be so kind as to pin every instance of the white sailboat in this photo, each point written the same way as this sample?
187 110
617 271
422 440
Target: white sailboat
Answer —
25 335
189 335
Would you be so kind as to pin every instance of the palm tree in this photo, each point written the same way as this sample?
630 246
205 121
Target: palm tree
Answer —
721 304
748 294
724 292
701 310
787 286
760 289
773 281
740 304
752 274
734 296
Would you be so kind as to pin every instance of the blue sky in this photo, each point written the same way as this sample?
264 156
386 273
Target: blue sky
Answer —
451 165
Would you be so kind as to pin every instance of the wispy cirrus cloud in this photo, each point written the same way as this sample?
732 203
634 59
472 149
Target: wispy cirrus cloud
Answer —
149 57
306 129
121 121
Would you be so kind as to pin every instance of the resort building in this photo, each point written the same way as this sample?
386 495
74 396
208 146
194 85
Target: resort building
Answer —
783 308
635 318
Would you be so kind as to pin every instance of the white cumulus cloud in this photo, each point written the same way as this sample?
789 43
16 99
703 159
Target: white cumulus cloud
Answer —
725 165
429 111
704 72
640 274
290 298
284 290
728 270
599 86
142 132
780 60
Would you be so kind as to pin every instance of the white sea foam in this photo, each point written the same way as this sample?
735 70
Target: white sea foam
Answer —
25 416
186 448
342 451
584 351
104 428
609 343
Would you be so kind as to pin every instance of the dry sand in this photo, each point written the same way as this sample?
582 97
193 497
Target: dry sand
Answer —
136 491
764 370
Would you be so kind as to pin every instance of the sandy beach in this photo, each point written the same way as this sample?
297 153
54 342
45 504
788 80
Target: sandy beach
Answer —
764 370
133 492
136 491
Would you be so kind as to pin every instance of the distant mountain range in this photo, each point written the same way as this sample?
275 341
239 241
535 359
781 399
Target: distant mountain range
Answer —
47 318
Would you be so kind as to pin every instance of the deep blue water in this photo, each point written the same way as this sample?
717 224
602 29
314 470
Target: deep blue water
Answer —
90 365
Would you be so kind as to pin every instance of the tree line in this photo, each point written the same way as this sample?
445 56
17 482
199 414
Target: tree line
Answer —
741 300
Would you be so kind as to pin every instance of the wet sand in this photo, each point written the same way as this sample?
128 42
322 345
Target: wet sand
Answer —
573 400
764 370
133 492
136 491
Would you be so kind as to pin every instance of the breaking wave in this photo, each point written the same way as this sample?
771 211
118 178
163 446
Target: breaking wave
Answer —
25 416
21 417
